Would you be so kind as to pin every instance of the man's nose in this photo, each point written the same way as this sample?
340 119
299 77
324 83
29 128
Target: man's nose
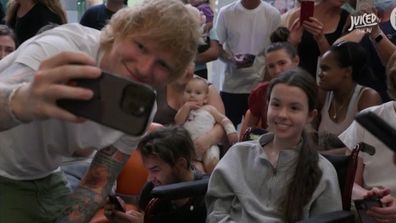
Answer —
146 67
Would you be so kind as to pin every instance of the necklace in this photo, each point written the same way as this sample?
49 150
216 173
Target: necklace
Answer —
336 111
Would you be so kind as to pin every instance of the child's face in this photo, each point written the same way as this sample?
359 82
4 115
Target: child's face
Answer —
278 61
288 112
196 91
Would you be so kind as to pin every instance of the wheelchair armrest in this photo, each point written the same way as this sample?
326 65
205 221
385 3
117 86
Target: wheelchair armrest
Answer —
181 190
332 217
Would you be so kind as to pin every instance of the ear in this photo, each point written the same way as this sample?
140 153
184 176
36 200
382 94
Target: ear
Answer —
296 60
311 115
348 72
181 163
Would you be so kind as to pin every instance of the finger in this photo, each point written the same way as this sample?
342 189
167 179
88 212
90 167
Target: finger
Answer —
64 73
61 114
55 92
381 211
67 58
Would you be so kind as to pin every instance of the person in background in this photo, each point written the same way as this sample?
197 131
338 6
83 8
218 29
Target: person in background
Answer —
243 28
35 134
199 118
279 56
98 15
7 41
209 51
167 154
170 99
281 177
342 97
314 36
375 174
26 17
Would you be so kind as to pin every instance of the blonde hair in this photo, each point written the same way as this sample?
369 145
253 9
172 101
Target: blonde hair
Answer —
168 22
391 76
54 5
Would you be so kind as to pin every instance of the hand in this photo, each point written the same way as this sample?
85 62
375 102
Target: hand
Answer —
192 105
232 138
295 32
387 213
114 216
315 27
244 60
37 99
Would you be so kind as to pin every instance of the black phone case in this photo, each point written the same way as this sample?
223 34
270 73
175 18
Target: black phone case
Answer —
114 200
107 106
379 128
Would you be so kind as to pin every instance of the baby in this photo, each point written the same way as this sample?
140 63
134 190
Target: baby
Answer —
199 118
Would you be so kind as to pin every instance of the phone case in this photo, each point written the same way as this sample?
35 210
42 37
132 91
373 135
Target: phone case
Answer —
118 103
114 200
306 10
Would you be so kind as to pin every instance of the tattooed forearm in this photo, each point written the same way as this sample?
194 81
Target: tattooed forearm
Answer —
95 185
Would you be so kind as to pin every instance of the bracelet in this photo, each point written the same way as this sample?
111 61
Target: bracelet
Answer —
11 113
228 126
378 37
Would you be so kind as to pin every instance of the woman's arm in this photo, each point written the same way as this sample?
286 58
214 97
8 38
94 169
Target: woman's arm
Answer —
210 54
315 27
369 98
384 47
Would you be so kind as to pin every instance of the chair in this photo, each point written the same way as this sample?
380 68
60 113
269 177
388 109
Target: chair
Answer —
345 166
174 192
132 178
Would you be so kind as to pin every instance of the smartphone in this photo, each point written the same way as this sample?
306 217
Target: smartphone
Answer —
363 205
306 10
379 128
118 103
117 204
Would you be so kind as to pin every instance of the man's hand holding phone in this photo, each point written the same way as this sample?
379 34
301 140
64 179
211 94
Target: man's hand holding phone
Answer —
37 99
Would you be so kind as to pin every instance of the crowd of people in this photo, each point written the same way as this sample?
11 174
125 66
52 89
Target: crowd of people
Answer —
303 82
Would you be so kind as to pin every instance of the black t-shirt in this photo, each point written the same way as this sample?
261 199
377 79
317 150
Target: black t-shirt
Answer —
27 26
194 211
308 49
96 17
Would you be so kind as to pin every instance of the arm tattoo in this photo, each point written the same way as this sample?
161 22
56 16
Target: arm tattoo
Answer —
95 185
10 79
